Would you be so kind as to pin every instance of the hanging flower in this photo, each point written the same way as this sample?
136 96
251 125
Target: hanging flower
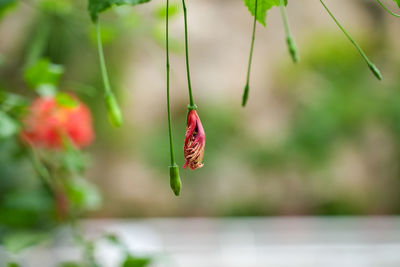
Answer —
195 142
53 119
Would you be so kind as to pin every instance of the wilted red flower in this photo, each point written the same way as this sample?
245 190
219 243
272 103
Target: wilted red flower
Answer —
52 119
195 142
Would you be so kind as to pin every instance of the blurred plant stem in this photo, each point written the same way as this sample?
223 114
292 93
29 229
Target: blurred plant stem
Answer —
387 9
191 100
371 66
289 38
253 36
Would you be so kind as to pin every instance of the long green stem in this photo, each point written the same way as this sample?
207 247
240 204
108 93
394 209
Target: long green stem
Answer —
175 180
289 38
171 143
253 37
388 10
113 109
187 56
371 66
104 74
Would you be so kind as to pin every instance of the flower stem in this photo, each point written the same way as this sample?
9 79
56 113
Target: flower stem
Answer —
171 143
187 56
371 66
113 109
387 9
289 38
175 181
104 74
247 87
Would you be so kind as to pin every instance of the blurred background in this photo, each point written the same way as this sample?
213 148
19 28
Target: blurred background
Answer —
321 137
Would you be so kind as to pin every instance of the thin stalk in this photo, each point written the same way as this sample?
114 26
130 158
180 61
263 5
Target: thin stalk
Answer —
371 66
104 74
187 56
174 177
388 10
289 38
41 170
171 142
113 109
253 37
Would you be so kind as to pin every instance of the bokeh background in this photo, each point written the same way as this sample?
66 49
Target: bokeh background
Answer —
321 137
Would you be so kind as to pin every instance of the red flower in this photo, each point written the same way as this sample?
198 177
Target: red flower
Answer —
195 142
50 120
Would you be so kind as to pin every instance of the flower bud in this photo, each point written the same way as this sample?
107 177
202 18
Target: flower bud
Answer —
292 49
375 71
113 110
195 142
175 179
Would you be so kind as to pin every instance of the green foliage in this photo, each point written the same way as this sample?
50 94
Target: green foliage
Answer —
262 8
66 100
8 126
17 241
12 264
6 4
83 195
132 261
398 2
44 75
98 6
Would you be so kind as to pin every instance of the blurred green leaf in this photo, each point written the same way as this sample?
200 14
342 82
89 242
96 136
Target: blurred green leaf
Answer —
59 7
398 2
43 73
13 103
17 241
12 264
27 200
8 126
132 261
6 4
83 194
113 238
98 6
173 10
74 160
66 100
262 8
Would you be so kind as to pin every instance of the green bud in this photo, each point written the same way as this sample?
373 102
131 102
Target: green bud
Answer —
375 71
292 49
114 111
245 95
175 179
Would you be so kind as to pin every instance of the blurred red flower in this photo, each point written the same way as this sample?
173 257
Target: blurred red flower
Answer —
195 142
52 120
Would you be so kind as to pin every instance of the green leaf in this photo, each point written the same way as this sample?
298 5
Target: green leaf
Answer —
83 194
17 241
66 100
398 2
12 264
8 126
43 73
5 4
132 261
262 8
173 10
98 6
13 104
